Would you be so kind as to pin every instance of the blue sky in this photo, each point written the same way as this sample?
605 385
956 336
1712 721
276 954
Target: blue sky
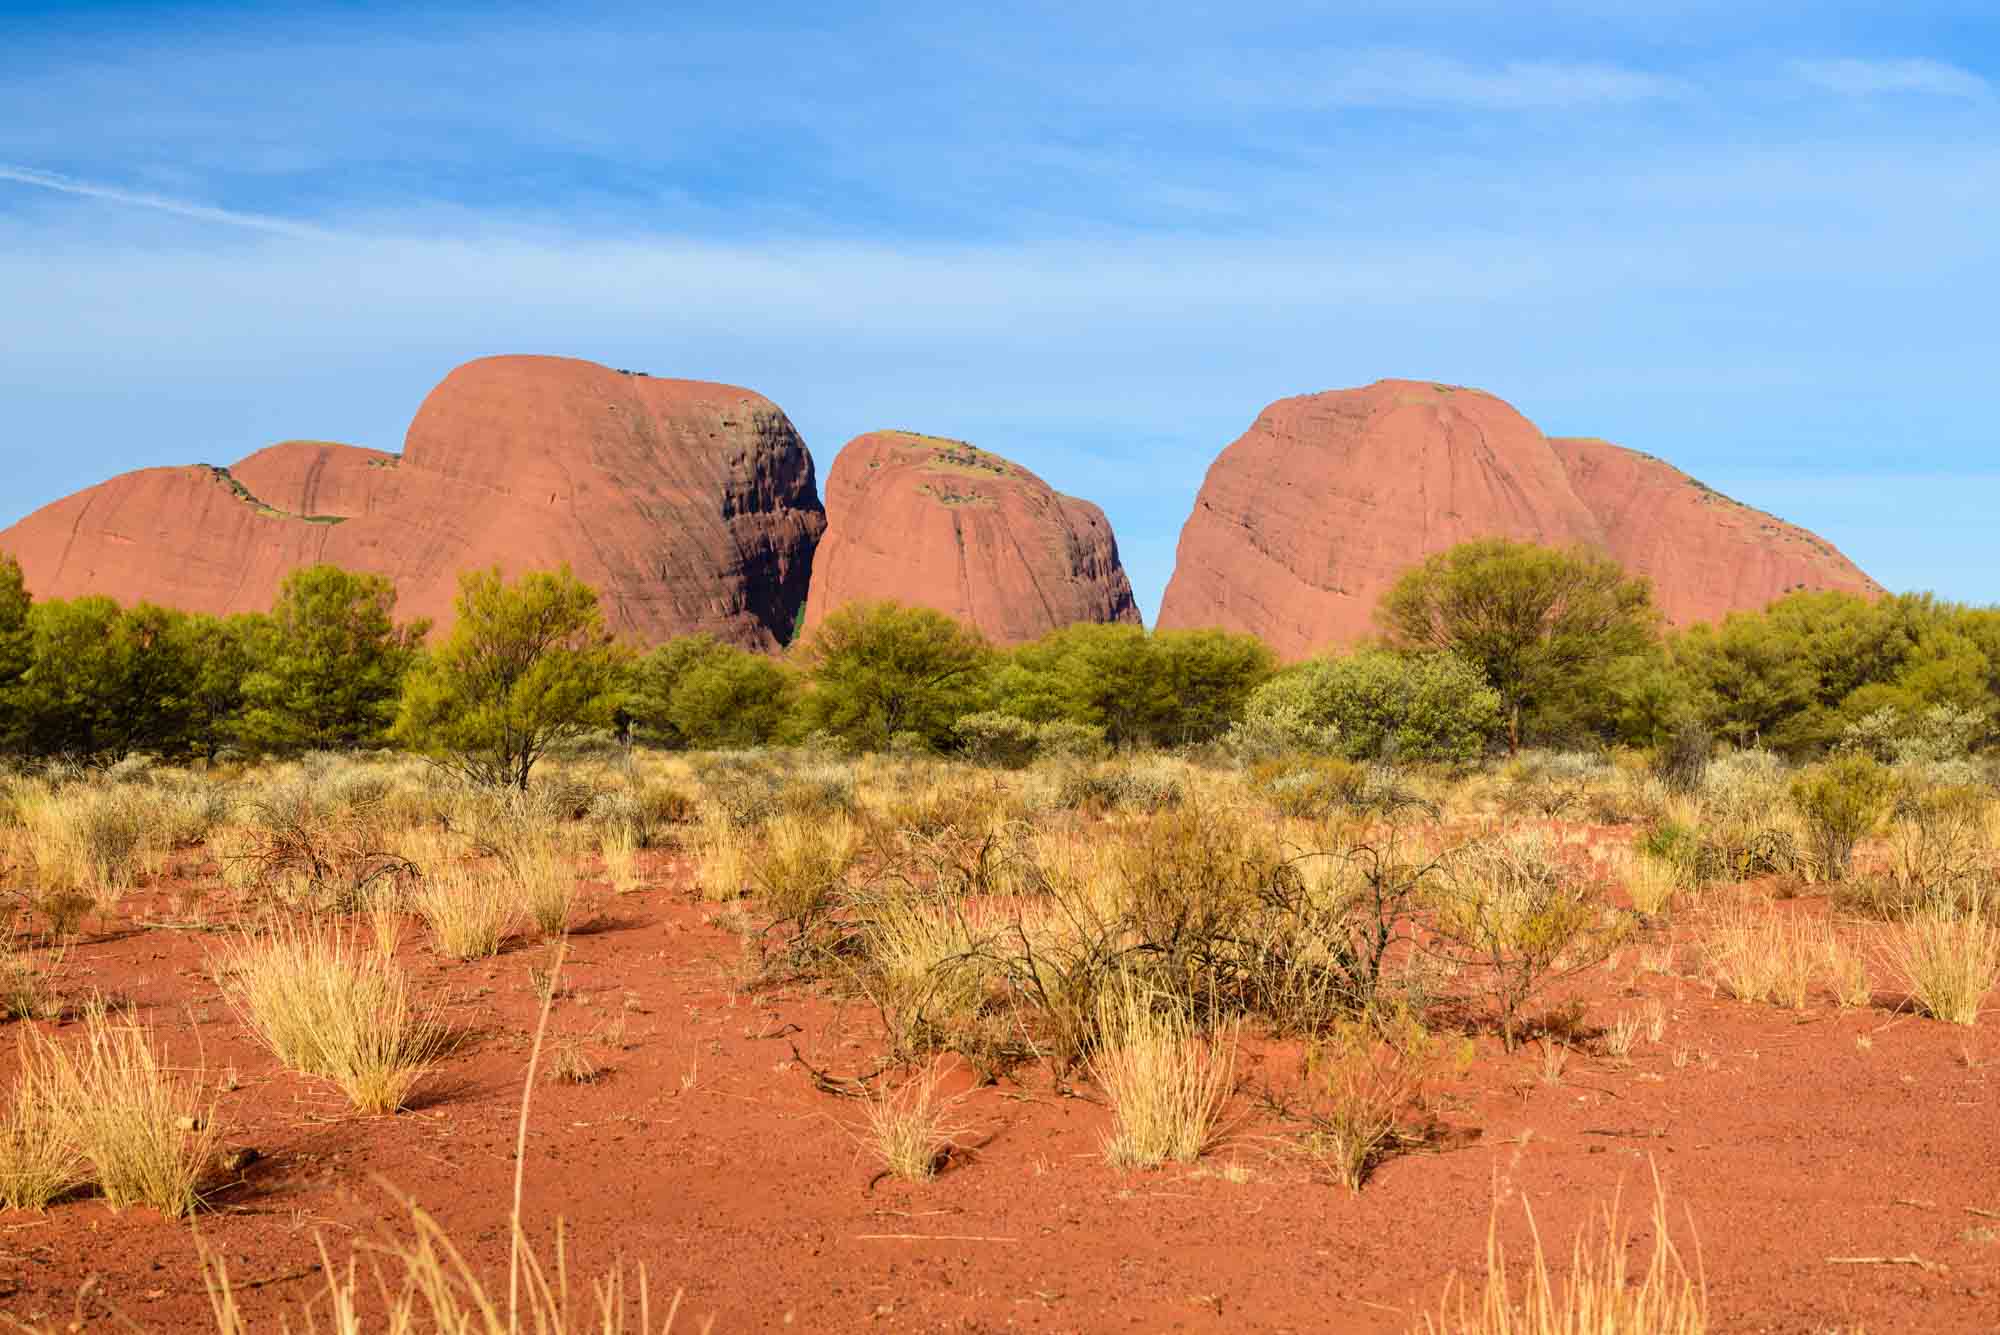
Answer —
1757 240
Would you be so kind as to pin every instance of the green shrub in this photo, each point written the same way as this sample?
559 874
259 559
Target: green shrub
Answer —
1841 802
1380 705
994 738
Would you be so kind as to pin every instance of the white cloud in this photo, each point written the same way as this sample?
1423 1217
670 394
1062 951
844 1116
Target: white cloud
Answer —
1868 78
69 185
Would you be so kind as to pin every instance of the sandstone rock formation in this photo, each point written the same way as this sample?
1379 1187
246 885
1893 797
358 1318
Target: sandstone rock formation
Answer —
939 523
1314 512
689 506
1706 554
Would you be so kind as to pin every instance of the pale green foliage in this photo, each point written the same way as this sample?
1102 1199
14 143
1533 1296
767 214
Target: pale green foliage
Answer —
1421 707
1841 803
528 665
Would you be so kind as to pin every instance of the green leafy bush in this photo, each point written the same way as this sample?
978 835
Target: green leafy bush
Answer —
1841 803
1380 705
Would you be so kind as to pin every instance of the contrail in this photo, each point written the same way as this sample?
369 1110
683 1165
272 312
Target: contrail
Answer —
69 185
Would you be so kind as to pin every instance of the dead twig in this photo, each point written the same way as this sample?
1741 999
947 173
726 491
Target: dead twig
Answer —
1912 1259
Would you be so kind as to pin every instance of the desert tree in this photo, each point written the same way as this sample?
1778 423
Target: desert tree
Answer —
1533 619
879 669
527 666
327 665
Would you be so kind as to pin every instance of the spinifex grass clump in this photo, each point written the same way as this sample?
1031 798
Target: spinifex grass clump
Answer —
910 1128
146 1130
1165 1084
327 1007
1950 960
1758 954
471 910
38 1163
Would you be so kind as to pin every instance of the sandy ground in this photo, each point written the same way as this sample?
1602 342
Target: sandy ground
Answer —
1789 1143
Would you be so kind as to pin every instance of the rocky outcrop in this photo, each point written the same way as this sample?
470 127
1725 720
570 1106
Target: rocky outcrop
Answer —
689 506
939 523
1307 518
1706 554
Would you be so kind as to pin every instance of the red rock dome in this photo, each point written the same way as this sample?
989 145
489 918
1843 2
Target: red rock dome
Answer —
1307 518
939 523
689 506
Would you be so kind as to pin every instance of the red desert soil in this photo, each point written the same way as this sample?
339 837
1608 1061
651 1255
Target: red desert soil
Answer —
706 1152
939 523
688 506
1313 512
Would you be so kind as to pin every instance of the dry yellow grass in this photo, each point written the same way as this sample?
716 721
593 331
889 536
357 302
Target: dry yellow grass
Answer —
722 859
1600 1294
326 1007
910 1129
38 1163
1166 1086
1757 954
146 1131
1949 962
471 909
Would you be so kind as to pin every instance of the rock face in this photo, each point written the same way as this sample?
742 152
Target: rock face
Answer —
1707 555
688 506
938 523
1311 514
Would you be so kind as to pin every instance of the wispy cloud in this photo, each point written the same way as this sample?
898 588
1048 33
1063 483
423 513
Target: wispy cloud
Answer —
70 185
1868 78
1403 78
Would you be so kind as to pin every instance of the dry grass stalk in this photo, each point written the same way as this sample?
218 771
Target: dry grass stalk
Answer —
1599 1295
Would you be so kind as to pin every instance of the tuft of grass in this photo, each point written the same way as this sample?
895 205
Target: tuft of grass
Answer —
146 1131
910 1128
1600 1295
722 859
1166 1086
1950 962
1764 956
38 1163
1652 883
435 1289
470 910
546 884
619 846
26 992
327 1007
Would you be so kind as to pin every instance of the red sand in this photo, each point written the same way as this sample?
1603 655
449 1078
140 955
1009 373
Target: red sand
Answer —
706 1153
